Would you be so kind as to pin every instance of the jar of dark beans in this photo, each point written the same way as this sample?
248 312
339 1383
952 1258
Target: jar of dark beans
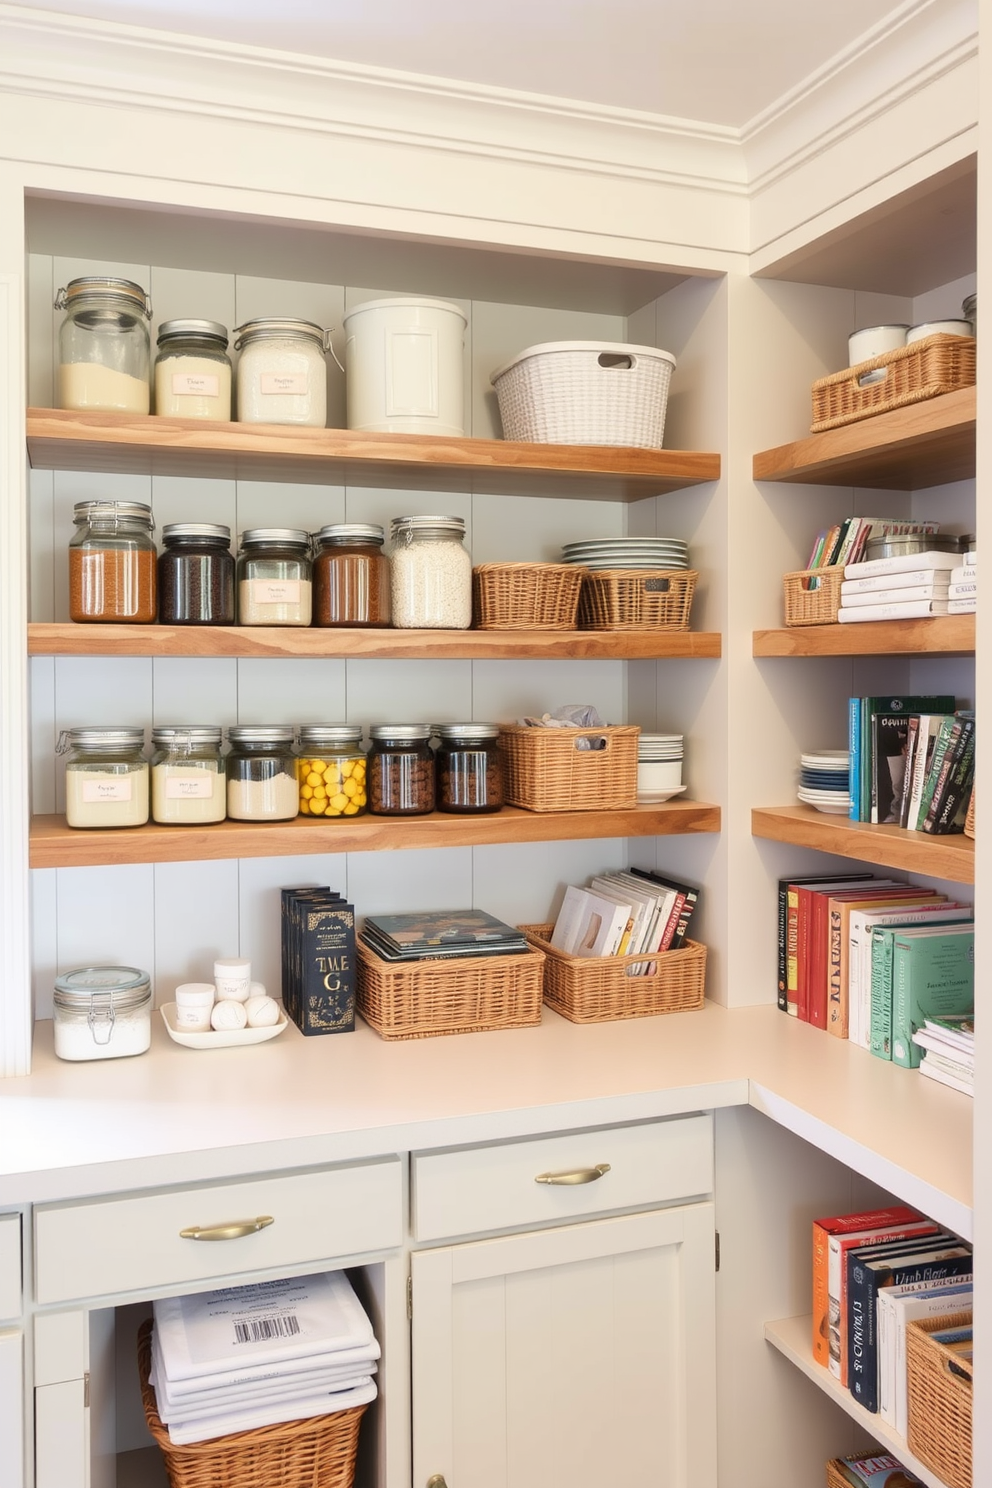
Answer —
400 769
469 767
196 575
350 575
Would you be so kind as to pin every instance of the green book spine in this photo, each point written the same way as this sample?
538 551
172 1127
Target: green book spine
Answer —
932 975
941 743
881 994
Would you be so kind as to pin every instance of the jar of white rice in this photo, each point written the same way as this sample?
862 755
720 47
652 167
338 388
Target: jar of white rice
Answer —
282 373
430 574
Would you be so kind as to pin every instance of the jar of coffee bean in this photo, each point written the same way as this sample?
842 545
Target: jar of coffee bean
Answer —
400 769
196 575
469 767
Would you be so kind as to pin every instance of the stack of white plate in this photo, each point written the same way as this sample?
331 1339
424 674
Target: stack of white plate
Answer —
659 767
823 781
628 552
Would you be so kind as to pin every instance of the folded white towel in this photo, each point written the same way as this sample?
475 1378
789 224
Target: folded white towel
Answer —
185 1432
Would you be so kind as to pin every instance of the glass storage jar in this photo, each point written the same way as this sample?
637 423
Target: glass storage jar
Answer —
106 777
261 773
102 1012
469 767
193 370
196 575
188 778
350 575
331 770
400 769
282 372
104 348
274 577
112 563
431 574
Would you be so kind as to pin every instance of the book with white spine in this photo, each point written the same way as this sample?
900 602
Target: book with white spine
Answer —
903 564
909 595
917 609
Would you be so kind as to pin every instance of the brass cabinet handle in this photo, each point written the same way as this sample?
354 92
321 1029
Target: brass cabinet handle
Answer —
578 1175
437 1481
232 1231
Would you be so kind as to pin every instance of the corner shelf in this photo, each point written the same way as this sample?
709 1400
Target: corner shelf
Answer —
950 857
131 444
943 635
924 444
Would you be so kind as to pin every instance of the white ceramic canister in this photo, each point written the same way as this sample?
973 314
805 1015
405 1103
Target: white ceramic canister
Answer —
194 1004
404 367
232 978
102 1012
939 328
874 341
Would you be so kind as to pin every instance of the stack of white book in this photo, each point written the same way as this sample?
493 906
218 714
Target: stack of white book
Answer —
624 914
910 587
249 1356
963 590
948 1044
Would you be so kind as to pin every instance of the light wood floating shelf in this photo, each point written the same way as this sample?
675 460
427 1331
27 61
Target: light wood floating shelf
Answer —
924 444
125 443
951 857
54 845
291 641
943 635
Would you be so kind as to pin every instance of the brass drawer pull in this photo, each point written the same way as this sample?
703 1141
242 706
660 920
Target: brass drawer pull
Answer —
232 1231
437 1481
578 1175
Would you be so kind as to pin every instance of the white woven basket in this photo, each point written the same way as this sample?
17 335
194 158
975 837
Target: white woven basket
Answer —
585 392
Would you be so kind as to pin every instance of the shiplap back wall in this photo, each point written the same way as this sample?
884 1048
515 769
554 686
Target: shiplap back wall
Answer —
174 918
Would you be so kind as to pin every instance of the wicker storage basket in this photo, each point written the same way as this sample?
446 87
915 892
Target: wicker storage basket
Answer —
969 821
526 596
940 1400
545 770
637 599
598 989
316 1453
585 392
928 368
466 994
813 596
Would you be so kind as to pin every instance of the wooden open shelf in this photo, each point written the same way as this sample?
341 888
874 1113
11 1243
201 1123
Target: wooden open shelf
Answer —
54 845
943 635
67 639
951 857
126 443
924 444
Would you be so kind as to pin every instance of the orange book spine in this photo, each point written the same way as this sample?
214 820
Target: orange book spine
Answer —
821 1341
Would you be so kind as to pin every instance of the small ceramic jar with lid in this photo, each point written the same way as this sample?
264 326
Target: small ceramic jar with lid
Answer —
469 767
193 370
282 372
274 577
431 574
196 575
104 347
261 773
106 777
112 563
102 1012
350 575
189 785
400 769
331 770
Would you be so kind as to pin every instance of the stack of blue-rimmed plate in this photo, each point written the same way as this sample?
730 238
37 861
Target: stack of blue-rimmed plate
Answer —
824 781
628 552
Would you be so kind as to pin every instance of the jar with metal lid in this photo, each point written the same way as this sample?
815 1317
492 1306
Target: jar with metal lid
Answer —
196 575
189 784
431 574
274 577
104 348
350 575
102 1012
112 563
400 769
469 767
106 777
331 770
282 372
261 773
193 370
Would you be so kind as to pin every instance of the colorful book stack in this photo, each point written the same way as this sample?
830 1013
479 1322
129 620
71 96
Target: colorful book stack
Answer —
948 1045
625 914
846 542
909 587
440 935
963 589
912 762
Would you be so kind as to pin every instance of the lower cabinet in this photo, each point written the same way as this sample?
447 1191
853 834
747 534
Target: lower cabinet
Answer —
11 1408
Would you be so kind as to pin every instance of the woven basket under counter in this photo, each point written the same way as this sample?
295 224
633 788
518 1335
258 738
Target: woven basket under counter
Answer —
600 989
912 374
637 599
939 1387
316 1453
463 994
545 770
526 596
812 597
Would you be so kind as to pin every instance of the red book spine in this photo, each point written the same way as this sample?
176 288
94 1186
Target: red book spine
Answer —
816 995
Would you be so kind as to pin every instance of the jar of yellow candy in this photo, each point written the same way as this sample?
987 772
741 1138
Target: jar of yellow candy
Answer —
331 770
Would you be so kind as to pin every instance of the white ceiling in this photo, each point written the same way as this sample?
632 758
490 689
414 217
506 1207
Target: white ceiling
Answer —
722 61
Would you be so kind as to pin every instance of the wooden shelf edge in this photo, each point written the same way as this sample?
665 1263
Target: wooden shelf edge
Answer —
951 858
943 635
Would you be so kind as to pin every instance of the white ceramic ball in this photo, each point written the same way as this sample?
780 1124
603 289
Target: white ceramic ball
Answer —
228 1015
257 989
263 1012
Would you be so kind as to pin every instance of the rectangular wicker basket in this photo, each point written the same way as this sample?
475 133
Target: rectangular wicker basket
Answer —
812 597
318 1453
912 374
637 599
939 1384
526 596
598 989
545 770
465 994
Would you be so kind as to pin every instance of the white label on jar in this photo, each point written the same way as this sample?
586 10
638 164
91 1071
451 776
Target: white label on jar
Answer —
107 790
195 385
188 790
275 591
284 382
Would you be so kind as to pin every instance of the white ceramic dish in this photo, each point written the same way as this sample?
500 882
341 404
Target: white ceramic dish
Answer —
829 808
939 327
227 1038
653 798
874 341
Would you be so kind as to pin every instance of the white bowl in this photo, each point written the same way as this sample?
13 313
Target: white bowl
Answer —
939 327
654 798
225 1038
874 341
658 775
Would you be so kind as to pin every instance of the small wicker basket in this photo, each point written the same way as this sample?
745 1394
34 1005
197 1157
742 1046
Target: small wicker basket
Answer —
637 599
526 596
599 989
912 374
464 994
585 392
544 769
939 1384
812 597
319 1452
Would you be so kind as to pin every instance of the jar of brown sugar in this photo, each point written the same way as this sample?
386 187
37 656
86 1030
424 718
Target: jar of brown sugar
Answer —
400 769
350 576
112 562
469 767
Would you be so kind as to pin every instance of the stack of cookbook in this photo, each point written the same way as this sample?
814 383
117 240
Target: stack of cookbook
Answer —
624 914
437 935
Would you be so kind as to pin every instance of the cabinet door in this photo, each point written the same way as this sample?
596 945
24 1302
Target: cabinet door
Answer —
569 1358
11 1409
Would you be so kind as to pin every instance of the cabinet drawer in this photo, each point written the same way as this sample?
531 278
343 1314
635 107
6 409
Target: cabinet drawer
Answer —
129 1243
10 1265
479 1189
